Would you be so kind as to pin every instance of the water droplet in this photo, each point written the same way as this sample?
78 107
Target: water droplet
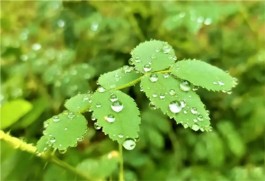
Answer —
200 117
194 110
185 126
162 96
147 68
172 92
152 106
62 151
98 105
101 89
85 98
96 126
182 104
137 59
60 23
154 95
129 144
194 88
208 21
120 136
65 129
153 77
195 120
127 69
185 112
93 118
185 86
52 140
55 118
166 75
195 127
71 115
46 124
175 107
221 83
117 106
110 118
113 98
166 49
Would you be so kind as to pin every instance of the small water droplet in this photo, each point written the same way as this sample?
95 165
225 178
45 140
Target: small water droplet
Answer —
62 151
200 117
117 106
185 86
195 127
120 136
193 110
129 144
185 126
113 97
162 96
152 106
55 118
52 140
153 77
166 75
137 59
195 88
147 68
172 92
166 49
127 69
101 89
71 115
185 112
175 107
195 120
96 126
98 105
221 83
85 98
110 118
155 95
182 104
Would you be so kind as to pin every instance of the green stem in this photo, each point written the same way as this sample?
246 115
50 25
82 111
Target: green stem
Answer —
121 174
23 146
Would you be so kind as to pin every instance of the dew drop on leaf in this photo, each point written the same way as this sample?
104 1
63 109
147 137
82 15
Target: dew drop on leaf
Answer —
120 136
182 104
153 77
52 140
221 83
55 118
185 86
172 92
193 110
166 49
98 105
113 98
101 89
162 96
195 127
96 126
200 117
175 107
185 126
137 59
62 151
155 95
65 129
71 115
85 98
166 75
117 106
129 144
147 68
110 118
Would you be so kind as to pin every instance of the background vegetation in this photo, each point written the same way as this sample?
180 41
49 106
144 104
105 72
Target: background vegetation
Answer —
52 50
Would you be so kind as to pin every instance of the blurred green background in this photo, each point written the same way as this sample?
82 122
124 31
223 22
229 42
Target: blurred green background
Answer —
52 50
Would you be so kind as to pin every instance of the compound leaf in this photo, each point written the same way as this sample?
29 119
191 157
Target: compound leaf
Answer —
79 103
63 131
202 74
118 77
117 114
176 99
152 56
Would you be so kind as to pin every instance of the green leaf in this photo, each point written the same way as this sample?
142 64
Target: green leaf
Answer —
118 77
184 105
79 103
63 131
12 111
117 114
204 75
98 169
152 56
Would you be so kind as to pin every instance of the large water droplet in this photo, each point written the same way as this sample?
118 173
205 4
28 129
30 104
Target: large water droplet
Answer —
193 110
96 126
113 98
129 144
117 106
175 107
147 68
110 118
195 127
153 77
185 86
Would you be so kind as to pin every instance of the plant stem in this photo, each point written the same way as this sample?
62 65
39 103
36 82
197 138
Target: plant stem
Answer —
23 146
121 174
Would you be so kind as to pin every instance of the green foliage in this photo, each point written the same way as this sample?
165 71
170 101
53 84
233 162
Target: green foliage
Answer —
177 100
63 131
10 113
117 114
62 50
204 75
